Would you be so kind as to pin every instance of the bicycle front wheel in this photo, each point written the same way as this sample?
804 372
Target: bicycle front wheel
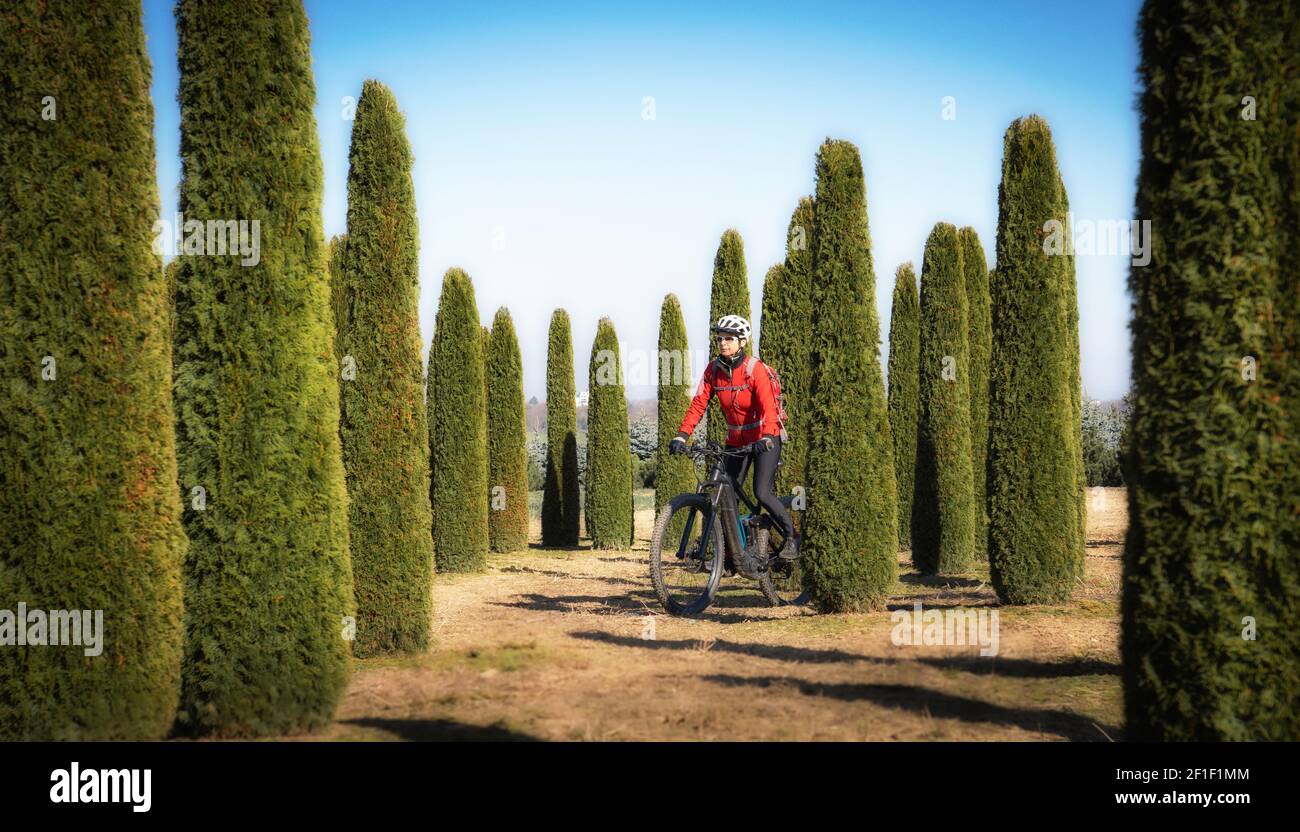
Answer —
686 555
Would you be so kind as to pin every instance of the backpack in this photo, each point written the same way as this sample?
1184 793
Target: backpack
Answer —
773 379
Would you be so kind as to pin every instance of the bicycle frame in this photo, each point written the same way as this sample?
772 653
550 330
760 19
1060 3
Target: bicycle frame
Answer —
725 491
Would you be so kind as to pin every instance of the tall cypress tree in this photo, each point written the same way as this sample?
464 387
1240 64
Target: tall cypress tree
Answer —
89 513
338 294
1212 559
904 361
561 512
268 581
384 424
1034 540
1069 294
771 325
171 276
673 474
507 451
978 340
609 474
943 502
459 429
787 340
851 526
429 377
729 296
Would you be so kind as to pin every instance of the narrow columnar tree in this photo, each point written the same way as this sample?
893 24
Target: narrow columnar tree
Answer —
673 474
268 580
904 358
89 512
1212 559
772 329
458 424
729 296
1069 294
978 341
561 512
429 376
384 424
171 276
507 451
943 502
487 336
1034 540
787 341
850 559
609 473
338 297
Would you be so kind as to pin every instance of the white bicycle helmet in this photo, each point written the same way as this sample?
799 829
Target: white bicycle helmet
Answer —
734 325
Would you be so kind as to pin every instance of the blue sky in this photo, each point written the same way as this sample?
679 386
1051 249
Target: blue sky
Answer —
536 172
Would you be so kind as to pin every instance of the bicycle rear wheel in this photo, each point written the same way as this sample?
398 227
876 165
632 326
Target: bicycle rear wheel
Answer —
782 583
686 566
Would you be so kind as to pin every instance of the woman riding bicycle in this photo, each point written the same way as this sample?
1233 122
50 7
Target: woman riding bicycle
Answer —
749 404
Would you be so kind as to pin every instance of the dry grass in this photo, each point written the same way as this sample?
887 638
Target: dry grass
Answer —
547 645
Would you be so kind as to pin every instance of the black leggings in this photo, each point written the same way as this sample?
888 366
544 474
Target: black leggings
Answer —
765 483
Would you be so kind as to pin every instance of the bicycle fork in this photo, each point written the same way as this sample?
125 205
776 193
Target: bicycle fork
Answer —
726 509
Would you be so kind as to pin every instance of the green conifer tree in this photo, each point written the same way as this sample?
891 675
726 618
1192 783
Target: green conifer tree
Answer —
609 474
1210 606
943 502
904 361
979 341
1032 480
729 296
384 425
507 451
268 579
850 557
459 429
89 510
673 474
561 496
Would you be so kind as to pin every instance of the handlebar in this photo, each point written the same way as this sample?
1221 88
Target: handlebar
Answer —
712 450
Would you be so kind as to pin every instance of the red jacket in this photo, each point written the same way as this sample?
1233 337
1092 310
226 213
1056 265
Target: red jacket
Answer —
749 406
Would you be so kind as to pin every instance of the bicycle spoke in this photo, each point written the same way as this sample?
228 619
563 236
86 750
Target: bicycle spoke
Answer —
687 574
684 564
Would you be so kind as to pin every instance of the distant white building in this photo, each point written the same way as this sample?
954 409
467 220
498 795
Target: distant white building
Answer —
582 398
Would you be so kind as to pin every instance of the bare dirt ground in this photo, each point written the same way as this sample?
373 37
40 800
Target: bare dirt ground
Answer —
548 644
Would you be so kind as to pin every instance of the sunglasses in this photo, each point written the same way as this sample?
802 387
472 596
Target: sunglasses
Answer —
723 338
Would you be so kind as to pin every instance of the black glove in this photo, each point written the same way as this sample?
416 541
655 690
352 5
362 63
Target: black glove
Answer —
763 445
678 445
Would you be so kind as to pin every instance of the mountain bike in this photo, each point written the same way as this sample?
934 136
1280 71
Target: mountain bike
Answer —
702 537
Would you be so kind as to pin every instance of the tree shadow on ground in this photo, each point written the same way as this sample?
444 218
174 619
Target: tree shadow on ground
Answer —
939 581
938 705
552 573
987 666
542 547
778 652
441 730
620 602
641 602
950 603
1023 668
